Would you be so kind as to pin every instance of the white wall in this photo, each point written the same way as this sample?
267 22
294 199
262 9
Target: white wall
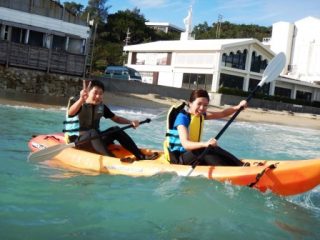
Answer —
165 79
306 55
281 41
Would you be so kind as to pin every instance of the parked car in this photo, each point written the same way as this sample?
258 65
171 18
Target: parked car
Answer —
123 73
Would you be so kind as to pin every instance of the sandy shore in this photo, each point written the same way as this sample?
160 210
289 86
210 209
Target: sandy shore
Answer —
152 101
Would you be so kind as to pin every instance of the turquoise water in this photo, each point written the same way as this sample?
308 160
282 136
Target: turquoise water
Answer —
38 202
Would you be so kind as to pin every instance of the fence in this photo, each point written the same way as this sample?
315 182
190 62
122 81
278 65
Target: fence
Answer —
43 59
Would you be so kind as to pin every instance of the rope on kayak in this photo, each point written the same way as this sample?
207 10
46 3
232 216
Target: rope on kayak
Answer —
259 175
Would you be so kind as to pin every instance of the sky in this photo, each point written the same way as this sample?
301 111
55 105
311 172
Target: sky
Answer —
260 12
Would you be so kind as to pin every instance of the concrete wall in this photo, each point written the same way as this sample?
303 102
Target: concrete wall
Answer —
115 85
33 86
218 99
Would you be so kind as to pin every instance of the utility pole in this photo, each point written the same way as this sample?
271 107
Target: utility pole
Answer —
219 26
92 46
127 39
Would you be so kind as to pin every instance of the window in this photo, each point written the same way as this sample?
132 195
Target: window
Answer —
18 35
151 58
282 92
230 81
5 32
302 95
75 46
257 65
134 58
35 39
58 43
237 60
253 84
197 81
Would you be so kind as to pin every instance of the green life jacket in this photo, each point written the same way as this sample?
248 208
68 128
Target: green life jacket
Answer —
71 124
88 118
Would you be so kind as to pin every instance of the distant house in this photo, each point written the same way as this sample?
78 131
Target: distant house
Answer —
42 35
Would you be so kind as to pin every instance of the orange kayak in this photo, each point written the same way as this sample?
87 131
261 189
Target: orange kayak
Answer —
284 178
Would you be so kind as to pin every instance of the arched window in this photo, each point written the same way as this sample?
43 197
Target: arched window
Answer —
237 60
257 65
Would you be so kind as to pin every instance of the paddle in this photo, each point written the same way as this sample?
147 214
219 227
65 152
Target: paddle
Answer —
272 71
50 152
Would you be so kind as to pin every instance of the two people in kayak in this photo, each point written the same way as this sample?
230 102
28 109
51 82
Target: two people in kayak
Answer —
83 123
182 145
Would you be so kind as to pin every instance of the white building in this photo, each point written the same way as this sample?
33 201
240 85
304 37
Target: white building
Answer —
300 41
211 64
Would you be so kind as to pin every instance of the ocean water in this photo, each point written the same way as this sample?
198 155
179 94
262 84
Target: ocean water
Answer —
39 202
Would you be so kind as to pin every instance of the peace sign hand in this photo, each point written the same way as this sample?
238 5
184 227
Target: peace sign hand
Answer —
85 91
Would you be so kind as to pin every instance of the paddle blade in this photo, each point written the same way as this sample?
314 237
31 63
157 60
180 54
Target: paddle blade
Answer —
273 69
48 153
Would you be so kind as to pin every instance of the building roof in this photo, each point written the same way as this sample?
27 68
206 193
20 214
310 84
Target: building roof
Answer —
165 24
192 45
29 20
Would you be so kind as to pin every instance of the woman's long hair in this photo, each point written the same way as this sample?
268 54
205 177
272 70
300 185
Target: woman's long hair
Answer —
197 94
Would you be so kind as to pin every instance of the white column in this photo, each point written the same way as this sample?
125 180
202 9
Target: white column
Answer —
272 87
67 44
246 80
248 59
245 86
215 81
216 72
26 41
48 40
314 95
129 58
293 92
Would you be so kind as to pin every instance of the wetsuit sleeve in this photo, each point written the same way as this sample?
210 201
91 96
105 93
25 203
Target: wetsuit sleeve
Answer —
107 112
181 119
71 102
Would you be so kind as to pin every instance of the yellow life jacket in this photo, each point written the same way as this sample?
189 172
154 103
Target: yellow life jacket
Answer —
195 128
172 142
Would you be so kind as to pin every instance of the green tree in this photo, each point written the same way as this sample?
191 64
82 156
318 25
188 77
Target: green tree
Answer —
230 30
119 23
74 8
97 10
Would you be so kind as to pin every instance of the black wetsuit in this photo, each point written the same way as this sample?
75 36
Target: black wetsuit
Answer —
99 144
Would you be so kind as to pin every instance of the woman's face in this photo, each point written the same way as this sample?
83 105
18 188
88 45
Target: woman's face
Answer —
95 95
199 106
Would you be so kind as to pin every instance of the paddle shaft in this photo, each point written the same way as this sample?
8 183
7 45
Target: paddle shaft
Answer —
110 132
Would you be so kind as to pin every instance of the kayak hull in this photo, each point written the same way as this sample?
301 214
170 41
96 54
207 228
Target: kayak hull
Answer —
287 178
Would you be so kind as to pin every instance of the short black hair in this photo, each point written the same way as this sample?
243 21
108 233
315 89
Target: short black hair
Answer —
96 83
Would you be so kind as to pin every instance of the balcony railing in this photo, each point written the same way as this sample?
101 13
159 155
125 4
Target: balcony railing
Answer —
43 59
